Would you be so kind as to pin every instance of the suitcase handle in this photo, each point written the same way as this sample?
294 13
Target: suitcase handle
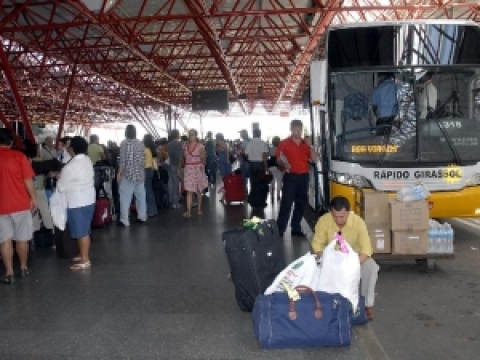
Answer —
318 313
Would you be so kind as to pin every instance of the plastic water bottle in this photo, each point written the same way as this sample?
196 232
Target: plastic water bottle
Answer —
438 239
450 234
431 236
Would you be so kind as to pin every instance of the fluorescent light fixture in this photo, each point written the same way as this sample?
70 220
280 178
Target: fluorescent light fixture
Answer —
96 5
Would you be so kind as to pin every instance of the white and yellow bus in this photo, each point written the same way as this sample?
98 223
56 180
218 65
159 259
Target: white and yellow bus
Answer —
435 142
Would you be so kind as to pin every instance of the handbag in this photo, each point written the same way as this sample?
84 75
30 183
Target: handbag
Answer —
318 319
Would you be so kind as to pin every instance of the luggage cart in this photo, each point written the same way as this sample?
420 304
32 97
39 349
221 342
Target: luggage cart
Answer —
425 261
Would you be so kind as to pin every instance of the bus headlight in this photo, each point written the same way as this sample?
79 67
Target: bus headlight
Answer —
474 180
357 181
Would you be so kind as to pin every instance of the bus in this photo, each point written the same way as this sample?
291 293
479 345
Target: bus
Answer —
433 134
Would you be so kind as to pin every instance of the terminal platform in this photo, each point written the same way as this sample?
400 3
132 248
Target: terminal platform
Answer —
160 290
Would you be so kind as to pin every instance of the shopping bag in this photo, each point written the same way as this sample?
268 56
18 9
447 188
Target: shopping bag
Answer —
58 209
340 271
303 271
316 319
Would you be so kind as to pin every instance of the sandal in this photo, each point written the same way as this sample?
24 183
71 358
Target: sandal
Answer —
8 279
81 266
187 215
76 259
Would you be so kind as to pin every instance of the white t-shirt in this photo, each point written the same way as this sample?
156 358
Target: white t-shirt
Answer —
77 182
255 149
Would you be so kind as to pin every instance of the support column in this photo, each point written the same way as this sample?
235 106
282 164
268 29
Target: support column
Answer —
16 94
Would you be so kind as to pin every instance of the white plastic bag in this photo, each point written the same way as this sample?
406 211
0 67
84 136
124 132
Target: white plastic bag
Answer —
58 208
412 193
340 272
303 271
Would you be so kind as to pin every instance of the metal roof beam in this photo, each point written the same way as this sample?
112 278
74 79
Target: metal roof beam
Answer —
305 57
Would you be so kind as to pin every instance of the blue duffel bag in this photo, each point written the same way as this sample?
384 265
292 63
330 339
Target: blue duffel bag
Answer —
318 319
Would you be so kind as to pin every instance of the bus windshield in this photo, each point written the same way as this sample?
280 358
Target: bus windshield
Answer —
405 94
435 120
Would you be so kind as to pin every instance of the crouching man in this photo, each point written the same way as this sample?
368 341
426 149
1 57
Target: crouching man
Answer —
354 230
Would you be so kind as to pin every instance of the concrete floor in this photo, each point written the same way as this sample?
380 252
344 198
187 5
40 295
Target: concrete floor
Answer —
160 291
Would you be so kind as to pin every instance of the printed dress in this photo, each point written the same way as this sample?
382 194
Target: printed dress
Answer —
195 179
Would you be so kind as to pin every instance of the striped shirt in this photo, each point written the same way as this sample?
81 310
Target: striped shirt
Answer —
132 160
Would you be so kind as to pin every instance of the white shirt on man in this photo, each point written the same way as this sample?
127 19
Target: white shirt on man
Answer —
77 182
255 149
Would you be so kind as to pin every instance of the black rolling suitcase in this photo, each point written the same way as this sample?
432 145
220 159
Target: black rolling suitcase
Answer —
256 257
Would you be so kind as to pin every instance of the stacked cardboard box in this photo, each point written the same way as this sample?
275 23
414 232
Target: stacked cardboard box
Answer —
409 224
376 213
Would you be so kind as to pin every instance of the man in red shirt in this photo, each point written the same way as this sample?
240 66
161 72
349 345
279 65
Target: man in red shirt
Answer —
17 194
293 154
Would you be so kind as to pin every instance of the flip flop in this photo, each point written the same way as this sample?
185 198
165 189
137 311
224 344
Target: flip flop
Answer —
187 215
81 266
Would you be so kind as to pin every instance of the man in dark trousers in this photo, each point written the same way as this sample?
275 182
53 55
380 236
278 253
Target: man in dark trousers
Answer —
293 154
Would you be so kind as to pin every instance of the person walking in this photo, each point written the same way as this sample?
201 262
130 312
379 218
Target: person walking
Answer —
195 179
131 177
257 155
174 150
224 164
211 159
151 166
244 163
293 154
18 200
76 181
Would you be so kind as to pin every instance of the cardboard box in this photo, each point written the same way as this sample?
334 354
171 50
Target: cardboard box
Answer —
375 209
409 216
381 240
413 242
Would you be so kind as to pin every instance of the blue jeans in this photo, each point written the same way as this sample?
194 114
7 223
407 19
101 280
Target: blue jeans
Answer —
294 190
149 194
212 171
127 189
173 185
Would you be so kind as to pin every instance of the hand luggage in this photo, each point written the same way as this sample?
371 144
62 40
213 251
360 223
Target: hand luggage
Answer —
233 186
318 319
256 257
43 238
257 198
65 246
359 317
103 211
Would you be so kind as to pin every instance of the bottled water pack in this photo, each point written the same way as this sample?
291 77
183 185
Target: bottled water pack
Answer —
440 238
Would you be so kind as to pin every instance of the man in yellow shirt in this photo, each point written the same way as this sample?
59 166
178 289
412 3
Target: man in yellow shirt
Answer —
354 230
95 150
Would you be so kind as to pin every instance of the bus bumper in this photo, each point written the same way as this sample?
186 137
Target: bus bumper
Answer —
444 204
